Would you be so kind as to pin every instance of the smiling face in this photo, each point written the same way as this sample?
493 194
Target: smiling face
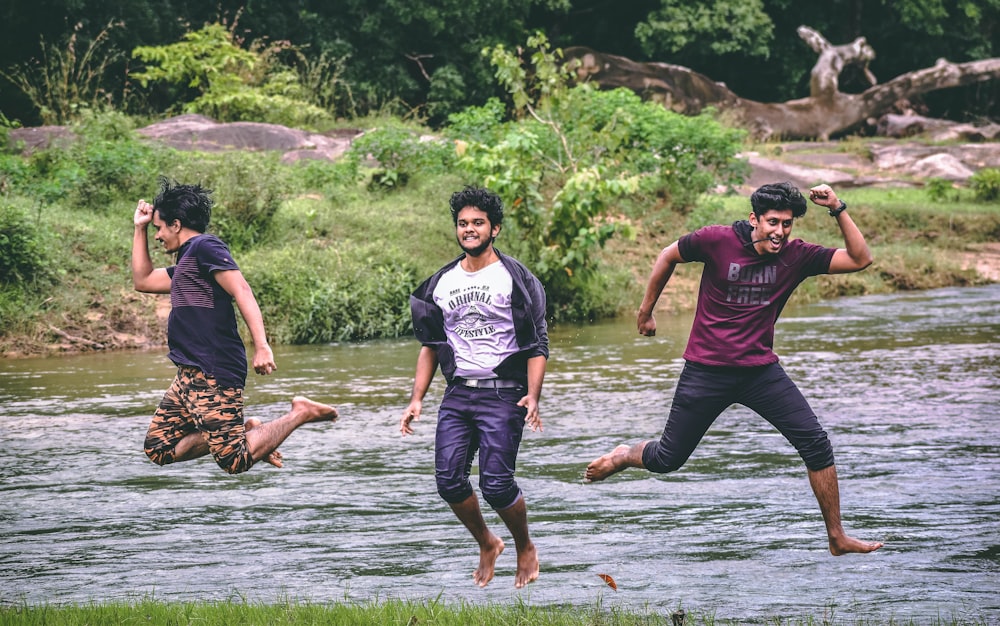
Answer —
167 234
474 232
771 230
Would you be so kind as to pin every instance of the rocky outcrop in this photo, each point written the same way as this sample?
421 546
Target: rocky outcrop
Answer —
197 132
878 163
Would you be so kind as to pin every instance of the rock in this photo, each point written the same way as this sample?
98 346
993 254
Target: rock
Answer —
39 137
940 166
765 170
911 125
197 132
903 157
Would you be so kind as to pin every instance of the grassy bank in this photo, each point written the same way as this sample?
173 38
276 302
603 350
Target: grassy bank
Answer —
332 252
405 613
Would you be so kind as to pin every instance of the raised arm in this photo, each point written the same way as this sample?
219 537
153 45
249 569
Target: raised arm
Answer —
144 277
236 285
663 268
855 255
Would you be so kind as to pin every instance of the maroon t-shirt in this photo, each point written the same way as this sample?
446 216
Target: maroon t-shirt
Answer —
742 293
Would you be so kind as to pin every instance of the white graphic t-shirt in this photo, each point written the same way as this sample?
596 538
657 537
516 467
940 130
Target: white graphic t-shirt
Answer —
477 318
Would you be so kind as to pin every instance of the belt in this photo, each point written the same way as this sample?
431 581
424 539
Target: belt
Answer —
488 383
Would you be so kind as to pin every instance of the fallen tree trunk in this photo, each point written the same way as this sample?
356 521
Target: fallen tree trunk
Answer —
824 113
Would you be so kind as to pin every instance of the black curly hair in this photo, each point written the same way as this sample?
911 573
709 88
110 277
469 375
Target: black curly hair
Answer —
483 199
778 197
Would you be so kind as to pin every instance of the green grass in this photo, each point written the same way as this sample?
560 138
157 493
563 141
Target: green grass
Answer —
401 613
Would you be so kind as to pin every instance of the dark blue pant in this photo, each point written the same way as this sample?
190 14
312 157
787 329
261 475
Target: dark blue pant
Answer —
704 392
484 420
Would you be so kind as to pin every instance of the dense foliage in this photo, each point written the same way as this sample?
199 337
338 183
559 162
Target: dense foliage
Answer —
354 57
567 160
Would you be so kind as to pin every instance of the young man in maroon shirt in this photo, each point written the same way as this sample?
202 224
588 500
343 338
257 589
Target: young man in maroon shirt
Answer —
751 269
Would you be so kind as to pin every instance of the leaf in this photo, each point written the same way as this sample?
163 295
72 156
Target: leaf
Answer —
609 580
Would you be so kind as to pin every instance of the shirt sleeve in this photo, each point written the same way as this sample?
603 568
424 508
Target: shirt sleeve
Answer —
816 259
692 246
214 256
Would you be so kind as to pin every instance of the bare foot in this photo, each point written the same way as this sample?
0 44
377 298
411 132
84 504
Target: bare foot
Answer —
275 458
604 466
527 566
313 411
849 545
487 561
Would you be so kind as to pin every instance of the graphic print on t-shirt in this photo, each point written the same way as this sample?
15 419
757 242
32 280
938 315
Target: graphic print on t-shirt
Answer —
477 317
472 306
752 284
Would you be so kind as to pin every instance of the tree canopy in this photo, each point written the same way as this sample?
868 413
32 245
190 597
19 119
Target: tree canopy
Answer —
423 56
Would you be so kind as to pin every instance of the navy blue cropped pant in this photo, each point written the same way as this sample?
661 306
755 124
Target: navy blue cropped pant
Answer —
704 392
487 421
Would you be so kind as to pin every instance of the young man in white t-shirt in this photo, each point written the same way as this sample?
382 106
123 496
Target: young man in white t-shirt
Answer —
481 318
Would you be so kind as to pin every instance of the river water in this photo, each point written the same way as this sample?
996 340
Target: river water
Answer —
907 385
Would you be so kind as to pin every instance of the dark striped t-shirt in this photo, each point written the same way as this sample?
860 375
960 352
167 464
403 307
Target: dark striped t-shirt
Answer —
201 330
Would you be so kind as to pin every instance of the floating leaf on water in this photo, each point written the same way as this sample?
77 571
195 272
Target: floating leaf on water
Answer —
609 580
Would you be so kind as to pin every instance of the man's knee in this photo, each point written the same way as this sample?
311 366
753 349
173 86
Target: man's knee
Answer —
160 456
235 463
499 493
453 491
658 459
818 454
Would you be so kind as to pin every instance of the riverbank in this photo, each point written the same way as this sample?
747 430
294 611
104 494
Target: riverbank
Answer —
401 613
915 247
362 250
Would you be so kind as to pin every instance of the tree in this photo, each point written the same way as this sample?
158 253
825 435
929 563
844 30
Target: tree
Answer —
571 155
827 111
217 77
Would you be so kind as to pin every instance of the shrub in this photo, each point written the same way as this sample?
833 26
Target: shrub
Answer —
214 75
248 189
400 154
25 249
572 156
309 294
938 188
115 165
985 184
66 81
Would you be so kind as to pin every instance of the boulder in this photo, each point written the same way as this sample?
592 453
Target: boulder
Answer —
197 132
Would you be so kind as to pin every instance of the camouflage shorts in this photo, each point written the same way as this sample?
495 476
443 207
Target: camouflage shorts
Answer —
196 404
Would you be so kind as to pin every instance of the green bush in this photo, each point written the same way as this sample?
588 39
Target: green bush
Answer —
14 173
311 294
712 210
248 189
481 124
938 189
400 154
25 249
100 166
212 74
572 157
985 184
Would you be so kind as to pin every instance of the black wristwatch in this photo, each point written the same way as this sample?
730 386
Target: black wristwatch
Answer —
838 210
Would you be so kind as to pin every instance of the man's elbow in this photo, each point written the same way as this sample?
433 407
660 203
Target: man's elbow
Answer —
863 262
